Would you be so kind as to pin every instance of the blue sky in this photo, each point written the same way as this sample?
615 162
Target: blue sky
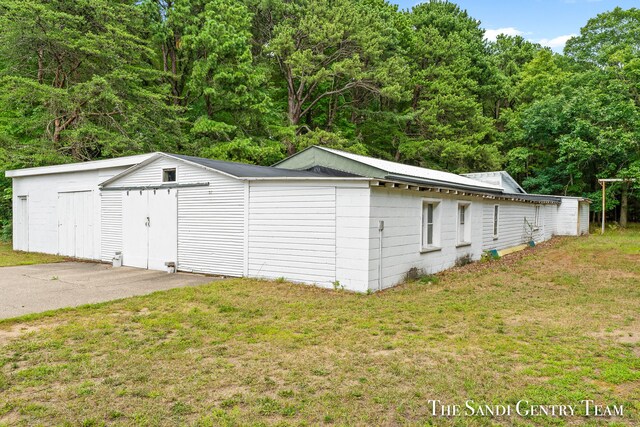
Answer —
548 22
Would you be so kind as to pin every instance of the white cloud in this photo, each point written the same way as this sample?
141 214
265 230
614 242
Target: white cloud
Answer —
556 43
507 31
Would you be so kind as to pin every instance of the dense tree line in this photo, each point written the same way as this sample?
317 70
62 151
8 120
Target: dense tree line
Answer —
256 80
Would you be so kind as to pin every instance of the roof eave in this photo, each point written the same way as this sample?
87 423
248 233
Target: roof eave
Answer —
443 184
413 186
78 167
133 168
305 178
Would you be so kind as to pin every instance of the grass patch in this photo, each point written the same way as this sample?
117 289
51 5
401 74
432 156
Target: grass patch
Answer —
9 257
553 325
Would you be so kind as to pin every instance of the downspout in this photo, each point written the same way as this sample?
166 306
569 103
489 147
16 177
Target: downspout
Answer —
380 229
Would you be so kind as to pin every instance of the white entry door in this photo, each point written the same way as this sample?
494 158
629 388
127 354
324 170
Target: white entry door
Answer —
163 228
135 232
150 228
21 235
75 224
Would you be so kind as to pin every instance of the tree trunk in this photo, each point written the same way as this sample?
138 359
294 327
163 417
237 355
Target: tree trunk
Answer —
174 71
331 114
294 110
165 67
40 65
209 107
56 131
624 204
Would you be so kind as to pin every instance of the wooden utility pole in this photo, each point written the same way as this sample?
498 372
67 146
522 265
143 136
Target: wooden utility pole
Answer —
603 183
604 196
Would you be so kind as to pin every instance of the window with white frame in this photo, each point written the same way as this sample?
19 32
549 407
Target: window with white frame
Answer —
536 219
496 216
430 224
464 223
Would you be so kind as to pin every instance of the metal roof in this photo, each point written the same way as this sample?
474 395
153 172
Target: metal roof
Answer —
81 166
503 176
243 170
406 172
332 172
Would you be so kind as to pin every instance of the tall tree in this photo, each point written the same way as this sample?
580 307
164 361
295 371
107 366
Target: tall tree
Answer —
326 50
508 57
611 43
225 86
83 78
449 72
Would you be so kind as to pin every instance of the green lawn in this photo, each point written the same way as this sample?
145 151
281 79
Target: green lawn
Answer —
553 325
10 257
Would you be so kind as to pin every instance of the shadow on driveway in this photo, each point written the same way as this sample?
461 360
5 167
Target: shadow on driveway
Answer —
36 288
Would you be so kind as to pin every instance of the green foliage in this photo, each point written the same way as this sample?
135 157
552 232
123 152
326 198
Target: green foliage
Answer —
223 77
254 81
246 150
449 64
579 115
329 140
72 89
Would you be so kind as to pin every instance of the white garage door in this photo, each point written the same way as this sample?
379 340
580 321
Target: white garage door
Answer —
75 224
150 228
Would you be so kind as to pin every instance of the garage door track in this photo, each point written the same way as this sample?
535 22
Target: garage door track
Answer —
42 287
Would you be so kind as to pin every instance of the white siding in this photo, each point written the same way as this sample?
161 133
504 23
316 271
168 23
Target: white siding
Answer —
210 218
401 212
292 232
111 221
352 238
550 214
151 173
512 228
42 192
584 218
567 217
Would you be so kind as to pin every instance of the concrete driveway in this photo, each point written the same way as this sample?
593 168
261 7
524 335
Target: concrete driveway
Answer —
35 288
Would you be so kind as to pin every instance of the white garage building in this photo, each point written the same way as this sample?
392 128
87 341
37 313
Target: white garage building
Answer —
322 216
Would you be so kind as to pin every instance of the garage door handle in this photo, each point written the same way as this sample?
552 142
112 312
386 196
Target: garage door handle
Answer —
148 223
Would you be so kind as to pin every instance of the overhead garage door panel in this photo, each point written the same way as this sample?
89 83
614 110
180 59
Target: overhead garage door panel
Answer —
211 228
75 224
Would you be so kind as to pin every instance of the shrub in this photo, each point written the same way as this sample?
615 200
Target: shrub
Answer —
463 260
6 230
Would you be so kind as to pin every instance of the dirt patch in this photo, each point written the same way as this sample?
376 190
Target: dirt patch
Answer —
622 336
629 338
16 331
11 418
511 259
